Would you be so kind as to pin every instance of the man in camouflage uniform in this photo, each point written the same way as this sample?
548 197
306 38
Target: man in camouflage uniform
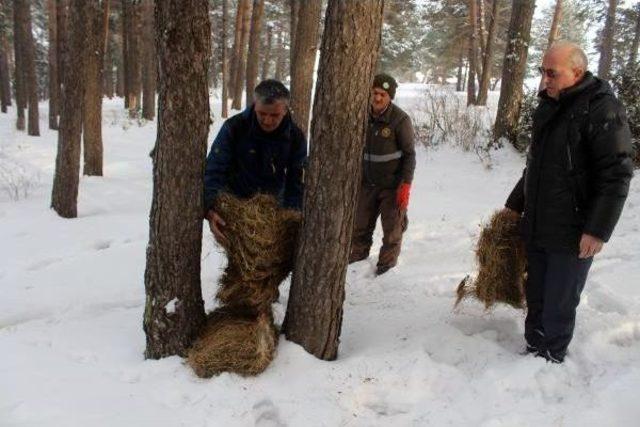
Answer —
387 171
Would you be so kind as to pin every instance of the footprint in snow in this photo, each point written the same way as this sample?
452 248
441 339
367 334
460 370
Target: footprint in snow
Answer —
266 414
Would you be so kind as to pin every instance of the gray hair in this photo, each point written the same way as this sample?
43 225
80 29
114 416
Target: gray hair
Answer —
271 90
577 57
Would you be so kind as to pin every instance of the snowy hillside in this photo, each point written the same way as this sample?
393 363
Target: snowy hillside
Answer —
72 298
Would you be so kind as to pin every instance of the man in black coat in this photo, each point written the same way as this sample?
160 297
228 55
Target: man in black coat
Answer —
571 193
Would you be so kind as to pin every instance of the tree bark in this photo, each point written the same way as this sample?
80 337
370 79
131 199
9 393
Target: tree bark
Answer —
487 60
64 196
606 46
5 74
133 78
254 49
242 58
294 13
174 309
61 47
124 22
53 64
460 77
349 52
473 52
19 74
92 106
266 63
633 55
513 70
225 60
280 60
149 58
235 56
304 58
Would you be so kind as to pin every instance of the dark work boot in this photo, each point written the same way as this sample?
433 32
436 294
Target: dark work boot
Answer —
381 269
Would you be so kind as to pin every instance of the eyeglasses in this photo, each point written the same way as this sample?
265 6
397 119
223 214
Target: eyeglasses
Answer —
549 72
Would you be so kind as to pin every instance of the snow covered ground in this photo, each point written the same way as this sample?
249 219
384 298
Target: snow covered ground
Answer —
72 297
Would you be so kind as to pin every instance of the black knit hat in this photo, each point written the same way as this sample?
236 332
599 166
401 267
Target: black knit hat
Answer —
386 83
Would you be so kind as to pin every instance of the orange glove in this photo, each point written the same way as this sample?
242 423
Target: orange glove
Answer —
402 196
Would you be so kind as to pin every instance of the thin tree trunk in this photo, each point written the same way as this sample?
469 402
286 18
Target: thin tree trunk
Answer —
487 66
235 56
92 106
294 13
61 47
513 70
225 60
349 52
253 55
553 32
473 52
266 63
606 46
482 30
280 60
172 275
149 58
125 9
633 55
31 81
5 77
133 78
64 196
108 84
304 58
242 58
53 64
459 81
19 74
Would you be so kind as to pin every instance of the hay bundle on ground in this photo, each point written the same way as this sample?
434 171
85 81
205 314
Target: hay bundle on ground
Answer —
502 264
261 238
232 340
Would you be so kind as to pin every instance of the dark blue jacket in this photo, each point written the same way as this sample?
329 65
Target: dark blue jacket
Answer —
245 160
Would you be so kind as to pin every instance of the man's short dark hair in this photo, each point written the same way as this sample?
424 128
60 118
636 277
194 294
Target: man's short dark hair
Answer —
270 91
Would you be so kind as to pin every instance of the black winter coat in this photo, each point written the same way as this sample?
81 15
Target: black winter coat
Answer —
578 169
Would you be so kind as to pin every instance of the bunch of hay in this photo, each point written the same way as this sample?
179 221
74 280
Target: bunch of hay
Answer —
502 262
233 340
261 239
240 336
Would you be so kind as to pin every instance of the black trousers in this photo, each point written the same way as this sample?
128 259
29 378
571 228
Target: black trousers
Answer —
554 283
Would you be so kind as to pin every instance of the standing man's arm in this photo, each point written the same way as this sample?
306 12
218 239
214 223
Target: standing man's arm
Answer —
215 178
406 142
515 201
294 181
609 146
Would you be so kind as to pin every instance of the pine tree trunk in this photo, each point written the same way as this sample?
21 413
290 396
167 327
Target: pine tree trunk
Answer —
61 47
482 31
253 55
487 65
242 58
133 61
513 70
280 59
124 22
5 77
473 51
460 77
172 276
53 64
235 55
633 55
349 52
606 46
225 60
294 13
149 57
266 63
108 86
64 196
304 58
92 106
19 73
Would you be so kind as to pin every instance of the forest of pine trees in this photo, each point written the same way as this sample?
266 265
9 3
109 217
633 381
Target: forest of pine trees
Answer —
164 59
